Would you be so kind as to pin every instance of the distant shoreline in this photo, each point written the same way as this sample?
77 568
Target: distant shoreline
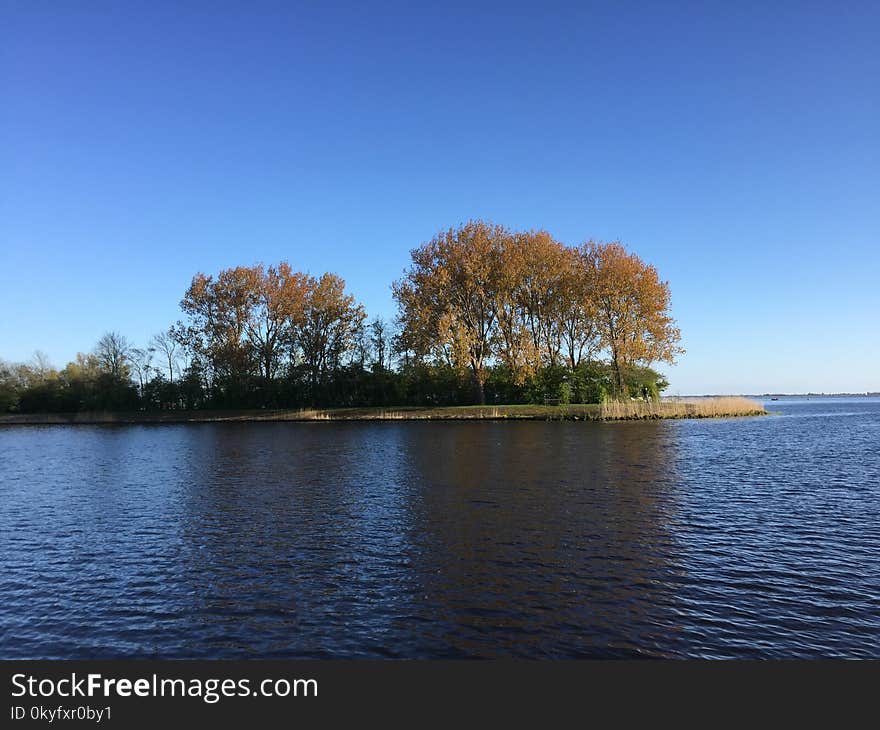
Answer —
816 395
626 411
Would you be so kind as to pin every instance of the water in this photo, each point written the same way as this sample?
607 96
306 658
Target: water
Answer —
753 537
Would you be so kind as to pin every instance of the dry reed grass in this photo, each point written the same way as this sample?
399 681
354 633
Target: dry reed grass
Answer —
681 408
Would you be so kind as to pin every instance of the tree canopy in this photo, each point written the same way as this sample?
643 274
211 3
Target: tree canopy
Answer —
484 314
480 293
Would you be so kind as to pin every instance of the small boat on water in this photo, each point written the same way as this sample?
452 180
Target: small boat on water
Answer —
774 399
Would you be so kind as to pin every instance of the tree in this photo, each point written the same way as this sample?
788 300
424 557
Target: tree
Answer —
219 311
514 343
576 308
329 325
530 307
141 359
41 367
168 348
633 309
379 340
277 307
244 322
362 345
10 386
113 352
447 299
84 367
483 313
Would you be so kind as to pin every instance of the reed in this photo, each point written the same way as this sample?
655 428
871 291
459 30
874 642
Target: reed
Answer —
313 415
681 408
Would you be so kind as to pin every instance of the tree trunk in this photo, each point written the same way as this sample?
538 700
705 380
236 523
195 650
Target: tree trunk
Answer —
478 387
617 372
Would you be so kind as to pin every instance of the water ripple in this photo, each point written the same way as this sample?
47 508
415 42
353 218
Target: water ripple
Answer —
718 539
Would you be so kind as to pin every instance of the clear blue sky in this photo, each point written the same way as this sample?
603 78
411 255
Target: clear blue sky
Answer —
736 146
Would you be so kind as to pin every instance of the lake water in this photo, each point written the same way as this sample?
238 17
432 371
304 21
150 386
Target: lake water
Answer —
755 537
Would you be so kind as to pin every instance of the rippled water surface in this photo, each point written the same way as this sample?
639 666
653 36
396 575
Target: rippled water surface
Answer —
753 537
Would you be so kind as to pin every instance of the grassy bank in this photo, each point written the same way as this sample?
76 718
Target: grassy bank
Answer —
615 411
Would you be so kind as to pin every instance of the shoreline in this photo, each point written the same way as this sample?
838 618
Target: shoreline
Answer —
627 411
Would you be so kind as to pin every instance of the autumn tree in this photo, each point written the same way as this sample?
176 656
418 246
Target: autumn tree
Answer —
534 288
250 320
632 305
278 297
327 330
479 295
448 298
219 312
513 342
575 309
539 317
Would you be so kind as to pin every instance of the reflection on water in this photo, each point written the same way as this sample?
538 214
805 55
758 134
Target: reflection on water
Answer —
543 541
744 537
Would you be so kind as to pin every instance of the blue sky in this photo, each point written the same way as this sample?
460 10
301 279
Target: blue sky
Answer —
735 146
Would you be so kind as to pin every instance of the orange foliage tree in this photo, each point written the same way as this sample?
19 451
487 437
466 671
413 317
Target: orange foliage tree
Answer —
249 319
480 294
448 299
632 305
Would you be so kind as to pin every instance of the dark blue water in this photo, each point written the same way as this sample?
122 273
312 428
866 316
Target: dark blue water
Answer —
753 537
